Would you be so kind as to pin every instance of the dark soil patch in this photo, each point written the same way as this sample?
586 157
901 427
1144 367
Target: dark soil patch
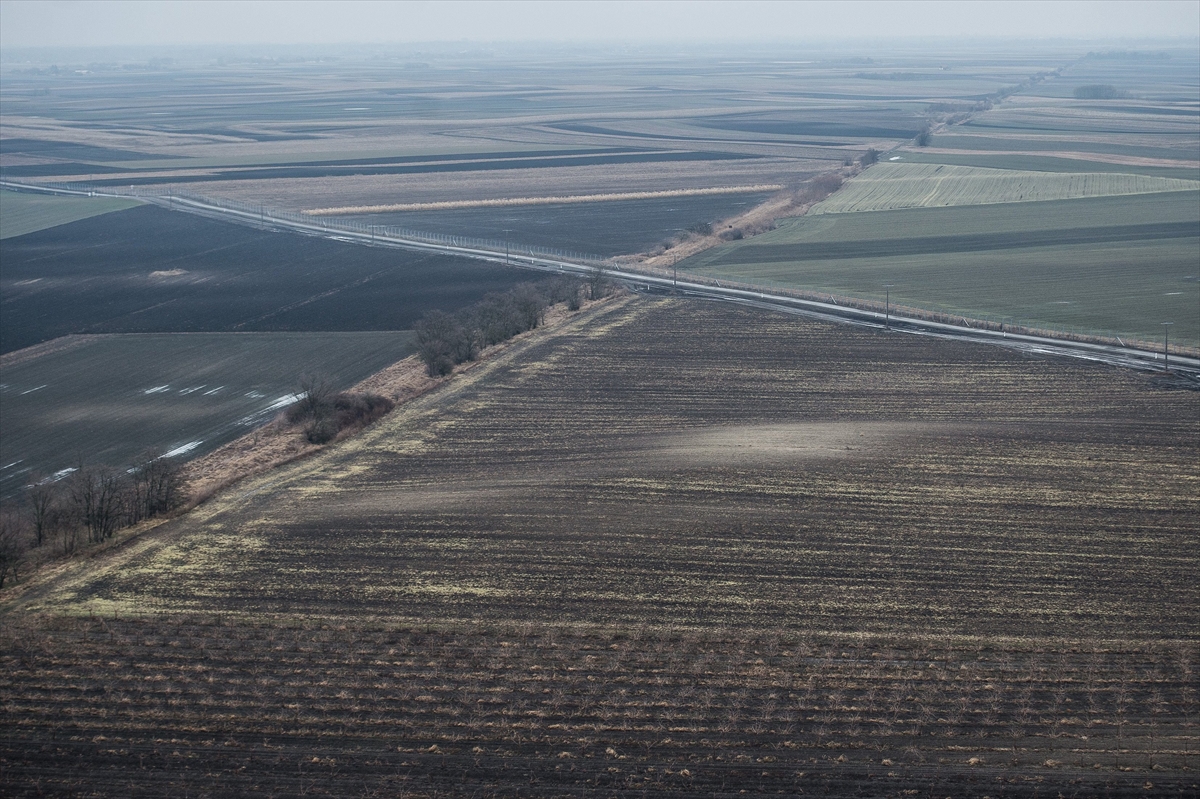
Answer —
95 276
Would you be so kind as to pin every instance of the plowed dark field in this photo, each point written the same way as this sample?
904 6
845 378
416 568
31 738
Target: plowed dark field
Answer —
148 270
672 549
602 228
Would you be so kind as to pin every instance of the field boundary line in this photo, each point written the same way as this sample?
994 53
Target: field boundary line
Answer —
57 575
857 311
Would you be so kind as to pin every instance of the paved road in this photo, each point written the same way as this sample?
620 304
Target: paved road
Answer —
1187 369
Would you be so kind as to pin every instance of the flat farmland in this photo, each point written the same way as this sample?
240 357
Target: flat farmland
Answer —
111 399
1047 163
22 213
300 136
673 548
1116 264
604 228
549 181
147 270
890 186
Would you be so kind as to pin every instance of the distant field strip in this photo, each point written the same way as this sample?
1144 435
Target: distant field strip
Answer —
22 213
572 199
107 399
976 242
889 186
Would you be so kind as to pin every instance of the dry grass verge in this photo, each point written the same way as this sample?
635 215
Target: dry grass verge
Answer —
570 199
281 442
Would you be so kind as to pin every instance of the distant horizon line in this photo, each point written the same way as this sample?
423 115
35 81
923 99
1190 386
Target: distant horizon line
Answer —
624 42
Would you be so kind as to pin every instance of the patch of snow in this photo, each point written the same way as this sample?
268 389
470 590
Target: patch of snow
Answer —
258 416
38 388
284 401
157 390
182 450
212 391
190 390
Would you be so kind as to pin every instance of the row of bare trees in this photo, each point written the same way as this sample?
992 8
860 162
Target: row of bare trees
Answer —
87 507
445 340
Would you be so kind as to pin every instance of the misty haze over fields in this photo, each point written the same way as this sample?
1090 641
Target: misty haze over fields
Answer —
624 399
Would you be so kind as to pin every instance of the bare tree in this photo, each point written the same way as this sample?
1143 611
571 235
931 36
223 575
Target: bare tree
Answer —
12 553
438 337
598 283
316 396
156 488
42 499
99 501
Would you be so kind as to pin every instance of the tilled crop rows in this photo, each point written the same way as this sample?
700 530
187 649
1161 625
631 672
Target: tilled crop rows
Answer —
541 711
674 548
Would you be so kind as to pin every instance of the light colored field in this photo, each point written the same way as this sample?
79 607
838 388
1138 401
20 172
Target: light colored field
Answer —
977 261
22 213
569 200
500 184
891 186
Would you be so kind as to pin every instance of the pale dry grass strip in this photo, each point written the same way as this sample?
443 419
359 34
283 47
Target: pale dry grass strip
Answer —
450 205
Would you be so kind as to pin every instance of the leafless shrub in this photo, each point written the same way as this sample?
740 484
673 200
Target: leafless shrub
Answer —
44 501
99 500
12 547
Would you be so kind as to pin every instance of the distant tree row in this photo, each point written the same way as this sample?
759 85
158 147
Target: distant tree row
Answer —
87 507
445 340
1098 91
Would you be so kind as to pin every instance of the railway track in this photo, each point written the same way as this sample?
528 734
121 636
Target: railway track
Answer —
1186 369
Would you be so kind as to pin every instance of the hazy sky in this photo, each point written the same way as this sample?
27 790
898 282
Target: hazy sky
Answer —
71 23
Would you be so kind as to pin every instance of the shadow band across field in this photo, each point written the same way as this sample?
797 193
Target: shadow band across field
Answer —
674 547
749 447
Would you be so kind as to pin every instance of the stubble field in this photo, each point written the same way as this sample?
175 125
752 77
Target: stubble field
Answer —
674 548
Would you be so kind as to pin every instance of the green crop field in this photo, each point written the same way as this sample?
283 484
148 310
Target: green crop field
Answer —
1107 264
889 186
109 399
1046 163
22 212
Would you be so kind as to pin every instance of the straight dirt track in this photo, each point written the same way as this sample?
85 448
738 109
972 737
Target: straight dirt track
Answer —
674 548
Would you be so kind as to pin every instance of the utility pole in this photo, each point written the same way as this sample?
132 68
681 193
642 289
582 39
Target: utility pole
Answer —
506 232
675 272
1166 354
887 305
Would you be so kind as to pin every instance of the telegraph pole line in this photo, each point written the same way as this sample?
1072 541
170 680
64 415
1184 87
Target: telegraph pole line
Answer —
506 232
1166 352
887 305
